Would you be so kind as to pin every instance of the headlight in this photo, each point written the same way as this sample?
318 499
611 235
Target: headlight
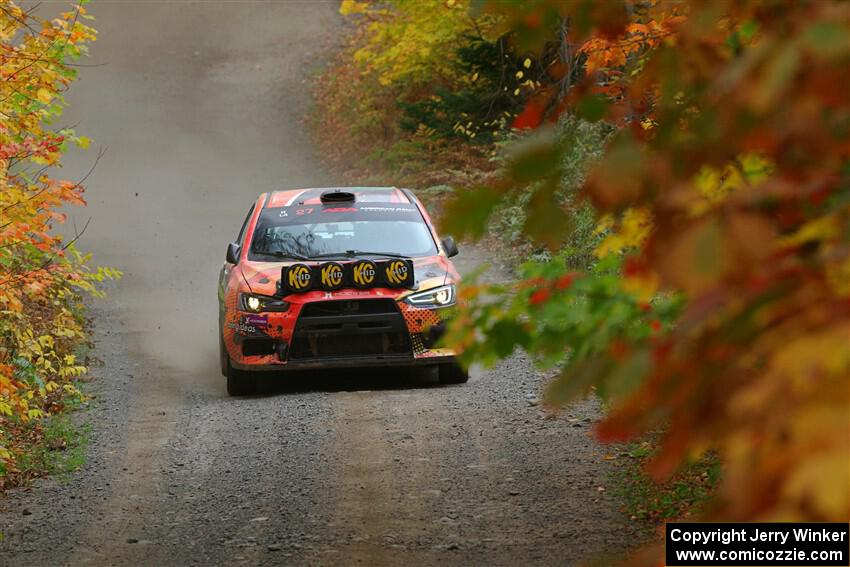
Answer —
435 297
257 303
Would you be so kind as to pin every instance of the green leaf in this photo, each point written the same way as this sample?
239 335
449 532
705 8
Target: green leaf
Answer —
546 222
592 107
576 379
468 212
625 377
505 336
827 39
539 159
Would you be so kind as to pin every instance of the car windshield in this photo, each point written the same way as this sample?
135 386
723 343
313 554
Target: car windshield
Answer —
404 237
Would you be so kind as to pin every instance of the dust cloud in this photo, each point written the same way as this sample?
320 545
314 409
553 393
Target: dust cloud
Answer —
196 122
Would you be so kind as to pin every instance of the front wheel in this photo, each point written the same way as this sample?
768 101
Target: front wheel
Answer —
240 382
223 357
453 374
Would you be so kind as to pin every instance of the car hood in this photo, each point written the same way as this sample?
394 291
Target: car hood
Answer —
428 272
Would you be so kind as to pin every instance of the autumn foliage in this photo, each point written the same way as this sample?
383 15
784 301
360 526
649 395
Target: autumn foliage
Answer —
418 92
42 275
719 308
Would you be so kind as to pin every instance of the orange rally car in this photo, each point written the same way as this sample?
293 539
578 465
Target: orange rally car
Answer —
332 278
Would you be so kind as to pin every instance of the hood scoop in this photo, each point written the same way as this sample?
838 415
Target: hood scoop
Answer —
337 196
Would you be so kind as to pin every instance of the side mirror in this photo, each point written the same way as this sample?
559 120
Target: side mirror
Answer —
232 253
450 246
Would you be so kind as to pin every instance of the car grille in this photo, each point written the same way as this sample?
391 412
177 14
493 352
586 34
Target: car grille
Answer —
349 307
350 328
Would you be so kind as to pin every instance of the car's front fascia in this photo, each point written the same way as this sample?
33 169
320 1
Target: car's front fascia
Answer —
260 324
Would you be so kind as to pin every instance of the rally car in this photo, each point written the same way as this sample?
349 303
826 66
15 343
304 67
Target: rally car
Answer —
335 278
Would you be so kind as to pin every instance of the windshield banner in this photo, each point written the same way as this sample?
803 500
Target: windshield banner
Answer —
361 274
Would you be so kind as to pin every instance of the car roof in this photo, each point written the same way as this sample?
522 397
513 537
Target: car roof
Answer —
312 196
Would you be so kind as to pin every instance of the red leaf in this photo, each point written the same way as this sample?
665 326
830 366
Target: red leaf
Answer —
532 19
565 281
539 296
531 116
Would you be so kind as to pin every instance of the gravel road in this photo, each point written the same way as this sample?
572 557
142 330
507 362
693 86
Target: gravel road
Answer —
201 107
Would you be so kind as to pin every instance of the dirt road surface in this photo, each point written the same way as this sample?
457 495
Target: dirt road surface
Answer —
201 107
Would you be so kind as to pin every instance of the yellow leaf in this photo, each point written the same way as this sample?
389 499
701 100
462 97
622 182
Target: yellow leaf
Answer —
44 95
35 413
606 222
817 483
632 231
348 7
813 354
643 286
823 228
838 275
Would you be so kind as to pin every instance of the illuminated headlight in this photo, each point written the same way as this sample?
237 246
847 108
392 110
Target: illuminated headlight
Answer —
436 297
257 303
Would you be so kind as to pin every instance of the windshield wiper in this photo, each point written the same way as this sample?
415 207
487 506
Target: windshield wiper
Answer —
279 254
353 253
345 254
328 255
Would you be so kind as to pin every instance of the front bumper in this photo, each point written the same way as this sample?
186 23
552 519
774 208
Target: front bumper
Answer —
352 333
347 362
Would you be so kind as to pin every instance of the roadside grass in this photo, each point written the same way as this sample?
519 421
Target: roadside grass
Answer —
61 450
56 443
54 446
650 503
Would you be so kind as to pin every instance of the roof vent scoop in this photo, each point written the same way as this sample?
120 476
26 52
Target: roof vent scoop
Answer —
337 196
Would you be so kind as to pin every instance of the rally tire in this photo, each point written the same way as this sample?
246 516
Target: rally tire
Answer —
240 382
223 358
453 374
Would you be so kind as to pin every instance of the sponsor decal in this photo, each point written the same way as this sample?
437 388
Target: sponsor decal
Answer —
333 276
251 325
388 209
363 273
298 277
330 276
257 320
342 293
398 273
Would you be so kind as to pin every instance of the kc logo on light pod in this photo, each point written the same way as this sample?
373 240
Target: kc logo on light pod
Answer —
298 277
363 273
398 273
331 276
